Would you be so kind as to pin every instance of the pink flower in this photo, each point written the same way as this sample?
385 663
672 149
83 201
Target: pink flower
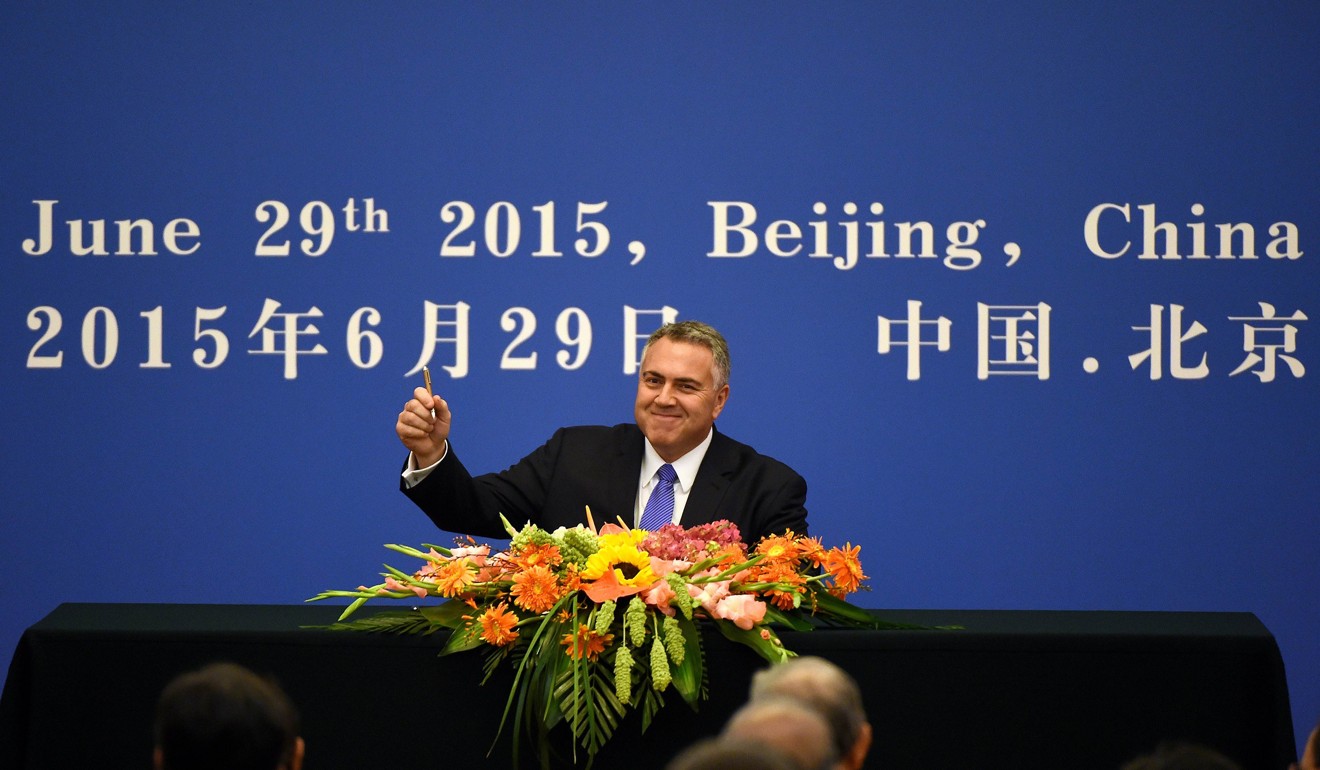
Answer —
487 568
662 567
694 544
709 594
477 554
488 573
659 596
395 585
744 610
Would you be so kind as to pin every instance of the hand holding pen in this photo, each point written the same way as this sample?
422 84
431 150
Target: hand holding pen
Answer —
423 425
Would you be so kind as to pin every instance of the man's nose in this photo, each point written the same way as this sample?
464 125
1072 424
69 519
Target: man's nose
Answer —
666 395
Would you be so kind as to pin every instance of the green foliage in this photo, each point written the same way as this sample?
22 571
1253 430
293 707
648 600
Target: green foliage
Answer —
623 665
449 614
577 545
530 534
764 642
604 615
583 664
634 621
689 677
591 708
674 642
399 622
651 703
660 673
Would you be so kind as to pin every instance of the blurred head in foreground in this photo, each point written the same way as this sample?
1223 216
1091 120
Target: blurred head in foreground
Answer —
792 728
224 717
1182 756
730 754
1310 754
831 691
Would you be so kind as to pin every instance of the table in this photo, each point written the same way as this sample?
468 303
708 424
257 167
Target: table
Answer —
1020 689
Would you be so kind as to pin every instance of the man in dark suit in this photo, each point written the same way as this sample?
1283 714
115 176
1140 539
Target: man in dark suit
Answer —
683 386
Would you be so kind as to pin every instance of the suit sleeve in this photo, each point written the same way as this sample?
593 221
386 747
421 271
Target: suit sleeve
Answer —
785 508
457 501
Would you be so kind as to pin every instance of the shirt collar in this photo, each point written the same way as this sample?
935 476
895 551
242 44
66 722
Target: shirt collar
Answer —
686 466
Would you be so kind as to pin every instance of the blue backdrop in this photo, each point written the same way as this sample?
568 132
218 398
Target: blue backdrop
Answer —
1025 293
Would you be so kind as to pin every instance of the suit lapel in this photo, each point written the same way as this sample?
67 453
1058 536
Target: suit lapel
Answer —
711 482
625 468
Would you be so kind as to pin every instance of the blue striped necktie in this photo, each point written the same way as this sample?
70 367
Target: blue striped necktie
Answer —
660 507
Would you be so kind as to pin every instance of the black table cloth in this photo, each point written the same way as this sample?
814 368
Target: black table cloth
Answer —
1012 689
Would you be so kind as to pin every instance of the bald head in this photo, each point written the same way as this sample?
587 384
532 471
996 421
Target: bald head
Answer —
730 754
789 726
828 689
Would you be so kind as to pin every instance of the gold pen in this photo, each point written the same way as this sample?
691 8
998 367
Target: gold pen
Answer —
426 378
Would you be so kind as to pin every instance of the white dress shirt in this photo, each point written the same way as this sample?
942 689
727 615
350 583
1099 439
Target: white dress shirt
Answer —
686 467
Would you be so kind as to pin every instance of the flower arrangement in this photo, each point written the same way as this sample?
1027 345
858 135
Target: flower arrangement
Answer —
597 621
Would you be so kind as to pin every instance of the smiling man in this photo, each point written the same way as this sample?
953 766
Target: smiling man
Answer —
673 454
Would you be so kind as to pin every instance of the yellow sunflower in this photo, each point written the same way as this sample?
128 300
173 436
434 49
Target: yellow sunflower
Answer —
618 569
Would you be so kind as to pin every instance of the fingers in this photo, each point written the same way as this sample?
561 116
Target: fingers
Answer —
423 427
414 422
432 405
424 419
417 418
440 409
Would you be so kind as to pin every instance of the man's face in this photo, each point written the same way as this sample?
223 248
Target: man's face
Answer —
677 400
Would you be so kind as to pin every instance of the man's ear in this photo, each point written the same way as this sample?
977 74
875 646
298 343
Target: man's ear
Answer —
721 397
857 755
295 762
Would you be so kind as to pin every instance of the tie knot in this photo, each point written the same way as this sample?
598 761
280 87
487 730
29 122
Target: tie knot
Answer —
667 474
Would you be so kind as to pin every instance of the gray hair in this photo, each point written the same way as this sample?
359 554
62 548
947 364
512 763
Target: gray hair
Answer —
697 333
821 685
791 726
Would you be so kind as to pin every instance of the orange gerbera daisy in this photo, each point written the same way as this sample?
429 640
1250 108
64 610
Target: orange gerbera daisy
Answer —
730 554
571 580
533 554
790 581
771 572
497 625
587 642
778 547
810 548
845 569
451 578
535 589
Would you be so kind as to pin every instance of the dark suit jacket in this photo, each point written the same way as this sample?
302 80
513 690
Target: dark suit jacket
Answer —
599 466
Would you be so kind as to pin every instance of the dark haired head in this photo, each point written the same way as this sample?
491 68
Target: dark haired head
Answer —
224 717
1182 756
